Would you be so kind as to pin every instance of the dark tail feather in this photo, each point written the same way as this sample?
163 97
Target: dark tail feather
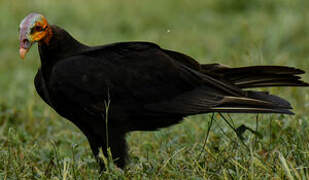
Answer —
255 102
205 100
257 76
250 110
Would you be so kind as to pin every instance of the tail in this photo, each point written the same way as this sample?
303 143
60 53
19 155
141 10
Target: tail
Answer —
223 92
207 99
254 102
256 76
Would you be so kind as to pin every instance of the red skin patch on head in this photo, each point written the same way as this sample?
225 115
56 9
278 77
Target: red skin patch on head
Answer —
49 36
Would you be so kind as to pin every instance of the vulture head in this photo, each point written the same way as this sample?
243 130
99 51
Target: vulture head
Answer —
33 28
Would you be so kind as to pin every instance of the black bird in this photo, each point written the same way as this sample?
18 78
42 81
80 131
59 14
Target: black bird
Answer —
110 90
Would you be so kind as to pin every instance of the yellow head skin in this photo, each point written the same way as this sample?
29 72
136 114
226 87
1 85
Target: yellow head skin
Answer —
33 28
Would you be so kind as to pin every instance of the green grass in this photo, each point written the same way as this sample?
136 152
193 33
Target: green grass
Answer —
36 143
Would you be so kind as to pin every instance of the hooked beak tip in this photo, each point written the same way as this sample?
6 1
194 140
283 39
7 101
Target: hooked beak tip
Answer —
22 52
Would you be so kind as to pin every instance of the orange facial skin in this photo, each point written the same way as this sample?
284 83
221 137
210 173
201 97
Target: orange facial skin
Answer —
33 28
43 32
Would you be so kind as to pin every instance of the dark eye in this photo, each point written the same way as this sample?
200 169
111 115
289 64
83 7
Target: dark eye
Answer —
38 28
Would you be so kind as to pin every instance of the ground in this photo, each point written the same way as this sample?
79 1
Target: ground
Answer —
36 143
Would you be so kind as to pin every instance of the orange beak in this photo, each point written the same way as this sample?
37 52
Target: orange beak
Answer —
22 52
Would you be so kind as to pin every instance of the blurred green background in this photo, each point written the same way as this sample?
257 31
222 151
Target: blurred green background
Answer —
232 32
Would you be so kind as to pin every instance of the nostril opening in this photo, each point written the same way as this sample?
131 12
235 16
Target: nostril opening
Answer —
25 41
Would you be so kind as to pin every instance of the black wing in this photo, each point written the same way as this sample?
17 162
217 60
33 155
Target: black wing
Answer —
158 80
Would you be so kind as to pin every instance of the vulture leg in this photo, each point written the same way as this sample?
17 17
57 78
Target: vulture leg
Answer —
94 143
117 144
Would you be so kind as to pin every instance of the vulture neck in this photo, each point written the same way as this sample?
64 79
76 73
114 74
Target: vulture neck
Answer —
60 46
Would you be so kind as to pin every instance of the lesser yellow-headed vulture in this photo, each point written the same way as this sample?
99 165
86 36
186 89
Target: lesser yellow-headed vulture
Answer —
140 86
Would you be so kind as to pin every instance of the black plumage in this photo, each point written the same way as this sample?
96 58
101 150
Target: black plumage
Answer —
140 86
